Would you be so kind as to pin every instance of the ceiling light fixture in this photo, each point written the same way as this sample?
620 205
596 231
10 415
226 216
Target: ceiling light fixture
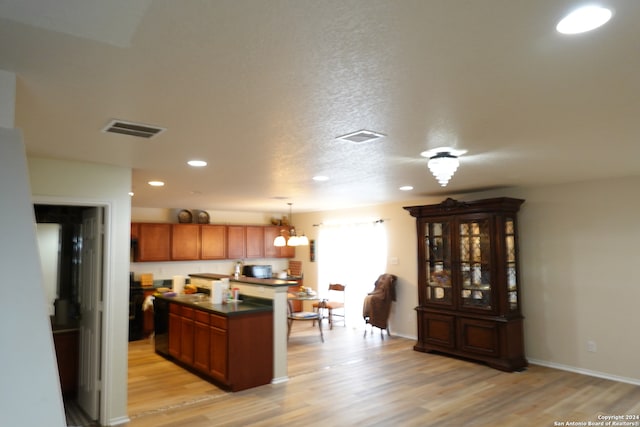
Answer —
294 239
443 163
320 178
406 188
584 19
156 183
197 163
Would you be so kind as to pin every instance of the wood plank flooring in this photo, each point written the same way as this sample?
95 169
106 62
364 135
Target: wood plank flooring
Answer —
352 380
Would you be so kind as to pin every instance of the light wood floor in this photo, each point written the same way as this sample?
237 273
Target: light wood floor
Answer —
352 380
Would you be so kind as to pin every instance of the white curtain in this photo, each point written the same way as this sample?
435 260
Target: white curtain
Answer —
353 255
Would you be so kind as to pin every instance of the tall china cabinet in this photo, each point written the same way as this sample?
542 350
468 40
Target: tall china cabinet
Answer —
468 282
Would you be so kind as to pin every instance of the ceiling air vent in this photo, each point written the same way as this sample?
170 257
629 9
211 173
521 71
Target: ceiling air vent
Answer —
361 136
133 129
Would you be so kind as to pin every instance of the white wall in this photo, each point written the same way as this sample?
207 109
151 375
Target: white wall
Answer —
29 371
76 183
578 255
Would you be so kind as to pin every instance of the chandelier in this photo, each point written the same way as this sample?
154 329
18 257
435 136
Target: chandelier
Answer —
443 163
294 239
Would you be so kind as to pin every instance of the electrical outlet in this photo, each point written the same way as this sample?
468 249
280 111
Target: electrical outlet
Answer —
591 346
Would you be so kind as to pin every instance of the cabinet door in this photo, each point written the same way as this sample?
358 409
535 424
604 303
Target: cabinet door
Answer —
201 346
437 263
154 242
185 242
477 283
236 241
213 241
186 340
479 336
218 353
255 241
270 233
174 334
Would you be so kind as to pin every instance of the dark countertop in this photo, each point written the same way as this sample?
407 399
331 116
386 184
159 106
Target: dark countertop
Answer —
246 306
248 280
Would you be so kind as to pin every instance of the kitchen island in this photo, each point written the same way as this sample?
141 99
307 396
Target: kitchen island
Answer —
217 341
274 290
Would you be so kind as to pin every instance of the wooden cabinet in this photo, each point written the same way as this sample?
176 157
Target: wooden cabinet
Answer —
190 242
218 350
468 287
186 335
154 242
223 348
254 241
236 235
201 341
175 328
213 241
185 242
67 356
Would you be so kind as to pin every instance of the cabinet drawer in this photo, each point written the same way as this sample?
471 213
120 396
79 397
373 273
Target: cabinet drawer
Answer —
187 312
202 317
175 309
218 321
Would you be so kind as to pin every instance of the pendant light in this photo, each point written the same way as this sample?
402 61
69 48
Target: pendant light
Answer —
294 239
443 163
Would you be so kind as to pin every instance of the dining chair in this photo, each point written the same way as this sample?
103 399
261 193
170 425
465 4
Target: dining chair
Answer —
335 301
302 315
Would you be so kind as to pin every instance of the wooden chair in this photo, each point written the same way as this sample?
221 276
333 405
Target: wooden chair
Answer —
302 315
335 301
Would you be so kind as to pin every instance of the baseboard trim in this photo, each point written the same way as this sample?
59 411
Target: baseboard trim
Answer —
582 371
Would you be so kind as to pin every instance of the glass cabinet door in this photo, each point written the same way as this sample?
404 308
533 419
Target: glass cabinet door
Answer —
437 241
512 280
475 263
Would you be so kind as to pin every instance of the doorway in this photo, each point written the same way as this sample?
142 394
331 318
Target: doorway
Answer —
353 254
77 312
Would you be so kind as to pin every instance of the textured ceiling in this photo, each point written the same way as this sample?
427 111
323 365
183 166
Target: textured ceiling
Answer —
261 89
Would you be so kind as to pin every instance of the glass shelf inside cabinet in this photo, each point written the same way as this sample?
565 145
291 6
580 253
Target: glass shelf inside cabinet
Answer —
438 263
475 253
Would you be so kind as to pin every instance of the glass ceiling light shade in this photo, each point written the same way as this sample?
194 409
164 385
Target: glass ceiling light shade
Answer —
443 162
294 239
443 165
584 19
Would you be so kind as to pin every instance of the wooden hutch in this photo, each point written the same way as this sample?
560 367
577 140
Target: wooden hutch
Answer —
469 299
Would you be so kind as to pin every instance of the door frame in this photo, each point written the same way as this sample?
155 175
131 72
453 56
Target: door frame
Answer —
106 332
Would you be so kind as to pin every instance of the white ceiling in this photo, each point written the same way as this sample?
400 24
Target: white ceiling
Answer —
261 89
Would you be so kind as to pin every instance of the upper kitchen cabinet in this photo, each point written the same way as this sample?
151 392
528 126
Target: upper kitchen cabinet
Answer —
154 242
236 241
213 241
255 241
185 242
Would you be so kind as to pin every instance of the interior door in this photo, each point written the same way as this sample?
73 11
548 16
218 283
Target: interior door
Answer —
90 300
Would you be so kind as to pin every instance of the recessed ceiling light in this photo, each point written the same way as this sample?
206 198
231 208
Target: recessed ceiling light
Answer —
584 19
406 188
156 183
197 163
320 178
131 193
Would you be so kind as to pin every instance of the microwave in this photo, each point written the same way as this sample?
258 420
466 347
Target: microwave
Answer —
257 271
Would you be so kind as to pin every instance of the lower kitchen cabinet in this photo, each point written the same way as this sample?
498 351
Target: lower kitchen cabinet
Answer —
223 348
